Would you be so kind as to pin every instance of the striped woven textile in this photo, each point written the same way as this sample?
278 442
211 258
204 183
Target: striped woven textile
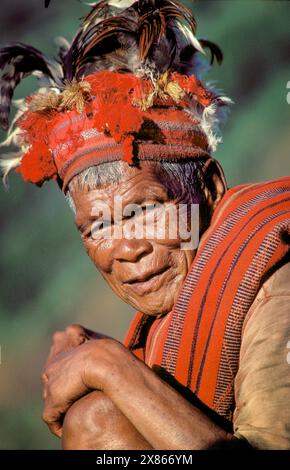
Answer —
198 342
165 134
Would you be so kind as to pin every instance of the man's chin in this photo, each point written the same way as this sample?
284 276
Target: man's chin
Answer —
148 307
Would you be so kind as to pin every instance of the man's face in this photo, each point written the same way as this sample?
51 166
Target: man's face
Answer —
145 272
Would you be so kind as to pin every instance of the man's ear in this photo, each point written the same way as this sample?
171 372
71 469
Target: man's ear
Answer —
214 181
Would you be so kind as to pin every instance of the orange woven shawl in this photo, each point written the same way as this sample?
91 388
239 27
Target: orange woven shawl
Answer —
198 342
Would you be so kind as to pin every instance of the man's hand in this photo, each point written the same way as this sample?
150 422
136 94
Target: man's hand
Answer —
72 337
74 352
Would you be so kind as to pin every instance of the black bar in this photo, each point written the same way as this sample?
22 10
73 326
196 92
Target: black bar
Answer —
124 459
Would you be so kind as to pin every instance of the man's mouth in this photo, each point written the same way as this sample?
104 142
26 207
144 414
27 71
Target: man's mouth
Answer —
148 281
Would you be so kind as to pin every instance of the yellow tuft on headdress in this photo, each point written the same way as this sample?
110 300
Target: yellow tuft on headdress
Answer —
74 96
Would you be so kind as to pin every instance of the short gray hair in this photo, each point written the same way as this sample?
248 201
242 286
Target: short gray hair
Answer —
183 179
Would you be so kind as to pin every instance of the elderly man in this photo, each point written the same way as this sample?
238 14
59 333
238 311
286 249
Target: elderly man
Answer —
127 131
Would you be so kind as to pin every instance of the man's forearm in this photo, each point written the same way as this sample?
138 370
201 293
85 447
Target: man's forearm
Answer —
157 411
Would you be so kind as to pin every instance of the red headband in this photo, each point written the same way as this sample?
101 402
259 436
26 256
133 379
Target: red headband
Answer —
114 116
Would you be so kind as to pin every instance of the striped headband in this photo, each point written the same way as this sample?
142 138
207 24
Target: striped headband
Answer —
116 116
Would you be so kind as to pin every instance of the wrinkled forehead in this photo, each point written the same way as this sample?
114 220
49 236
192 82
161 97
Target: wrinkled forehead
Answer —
108 184
110 174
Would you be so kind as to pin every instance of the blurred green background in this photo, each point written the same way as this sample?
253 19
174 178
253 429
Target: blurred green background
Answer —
47 281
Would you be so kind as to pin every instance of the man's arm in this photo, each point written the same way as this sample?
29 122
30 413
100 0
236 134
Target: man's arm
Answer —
157 412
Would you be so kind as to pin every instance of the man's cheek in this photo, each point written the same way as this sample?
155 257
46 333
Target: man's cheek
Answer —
169 245
100 252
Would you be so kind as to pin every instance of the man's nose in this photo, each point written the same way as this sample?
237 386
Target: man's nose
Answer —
132 250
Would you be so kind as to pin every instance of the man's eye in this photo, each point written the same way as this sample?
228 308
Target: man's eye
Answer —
140 210
149 207
98 226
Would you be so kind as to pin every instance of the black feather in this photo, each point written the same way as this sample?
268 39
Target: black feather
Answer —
18 61
147 30
216 52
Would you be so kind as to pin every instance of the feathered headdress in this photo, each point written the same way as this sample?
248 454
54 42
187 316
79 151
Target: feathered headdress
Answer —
127 87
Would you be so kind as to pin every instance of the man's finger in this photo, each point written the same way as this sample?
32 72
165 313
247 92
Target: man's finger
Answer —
75 330
44 380
64 341
93 334
56 429
52 419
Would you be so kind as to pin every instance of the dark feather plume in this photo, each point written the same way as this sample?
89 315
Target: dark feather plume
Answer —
18 61
123 35
120 35
215 51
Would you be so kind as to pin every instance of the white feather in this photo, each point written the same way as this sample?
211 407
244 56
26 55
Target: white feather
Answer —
11 139
209 122
210 119
14 131
114 3
190 37
226 100
62 42
9 163
89 4
121 3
